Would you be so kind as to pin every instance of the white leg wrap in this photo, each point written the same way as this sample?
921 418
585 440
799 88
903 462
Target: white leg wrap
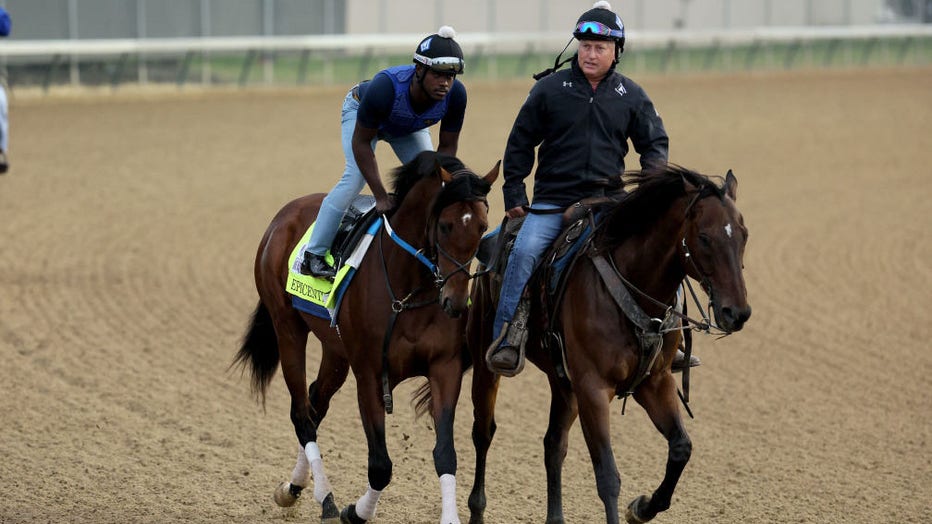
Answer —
321 483
449 514
301 474
365 506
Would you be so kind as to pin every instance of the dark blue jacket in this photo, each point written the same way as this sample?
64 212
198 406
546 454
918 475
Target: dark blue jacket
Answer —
583 136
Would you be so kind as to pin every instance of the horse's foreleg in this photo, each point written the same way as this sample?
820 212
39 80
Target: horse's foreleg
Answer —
594 419
484 393
445 382
562 415
658 397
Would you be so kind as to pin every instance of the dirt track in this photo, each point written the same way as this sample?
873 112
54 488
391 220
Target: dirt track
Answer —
129 226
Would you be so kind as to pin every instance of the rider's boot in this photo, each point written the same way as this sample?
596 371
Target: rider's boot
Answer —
317 266
679 361
505 355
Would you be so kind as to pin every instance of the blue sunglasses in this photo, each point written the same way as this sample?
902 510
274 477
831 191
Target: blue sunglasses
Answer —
599 29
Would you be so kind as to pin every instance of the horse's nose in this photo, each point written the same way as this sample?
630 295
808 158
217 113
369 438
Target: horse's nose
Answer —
733 319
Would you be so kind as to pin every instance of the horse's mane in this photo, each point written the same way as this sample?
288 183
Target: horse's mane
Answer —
424 165
657 188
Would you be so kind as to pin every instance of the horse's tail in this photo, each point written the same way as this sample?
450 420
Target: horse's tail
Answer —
421 397
259 351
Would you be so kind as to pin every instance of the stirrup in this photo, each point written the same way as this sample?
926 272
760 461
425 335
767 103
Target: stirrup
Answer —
500 345
514 336
317 266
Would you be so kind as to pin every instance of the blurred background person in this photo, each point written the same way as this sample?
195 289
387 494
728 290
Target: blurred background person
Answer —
5 26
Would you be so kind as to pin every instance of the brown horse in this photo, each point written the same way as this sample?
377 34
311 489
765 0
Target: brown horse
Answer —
401 317
619 328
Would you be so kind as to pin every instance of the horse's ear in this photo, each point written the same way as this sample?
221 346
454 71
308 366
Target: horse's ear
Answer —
444 174
731 185
493 174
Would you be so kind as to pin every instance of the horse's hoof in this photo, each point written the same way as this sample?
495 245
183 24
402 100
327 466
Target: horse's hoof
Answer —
631 514
330 513
349 516
286 494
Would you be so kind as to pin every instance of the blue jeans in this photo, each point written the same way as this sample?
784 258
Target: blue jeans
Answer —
535 236
336 202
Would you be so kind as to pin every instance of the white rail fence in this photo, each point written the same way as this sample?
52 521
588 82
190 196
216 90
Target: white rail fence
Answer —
914 40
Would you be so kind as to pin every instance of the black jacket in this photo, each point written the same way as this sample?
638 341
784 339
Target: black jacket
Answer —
583 136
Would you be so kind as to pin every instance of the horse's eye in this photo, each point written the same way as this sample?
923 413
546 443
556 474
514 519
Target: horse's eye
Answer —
483 228
704 240
445 228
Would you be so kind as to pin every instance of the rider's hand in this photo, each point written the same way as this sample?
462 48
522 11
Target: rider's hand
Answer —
516 212
385 204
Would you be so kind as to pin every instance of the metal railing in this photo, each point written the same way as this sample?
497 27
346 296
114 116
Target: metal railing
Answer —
329 59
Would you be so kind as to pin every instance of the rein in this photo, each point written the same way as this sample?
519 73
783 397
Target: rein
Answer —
705 326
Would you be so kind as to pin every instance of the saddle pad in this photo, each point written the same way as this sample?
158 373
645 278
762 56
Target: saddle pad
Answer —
319 296
564 250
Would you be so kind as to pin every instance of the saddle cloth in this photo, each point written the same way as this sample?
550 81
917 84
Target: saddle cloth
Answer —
321 297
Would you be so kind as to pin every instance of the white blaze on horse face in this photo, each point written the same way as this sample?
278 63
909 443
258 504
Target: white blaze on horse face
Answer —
728 230
466 218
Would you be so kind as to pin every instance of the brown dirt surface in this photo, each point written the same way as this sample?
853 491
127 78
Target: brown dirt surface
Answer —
129 225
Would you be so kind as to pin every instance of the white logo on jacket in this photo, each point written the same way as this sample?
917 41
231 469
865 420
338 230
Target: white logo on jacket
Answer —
567 84
621 89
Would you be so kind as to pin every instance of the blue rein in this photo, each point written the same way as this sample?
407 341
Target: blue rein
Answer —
416 253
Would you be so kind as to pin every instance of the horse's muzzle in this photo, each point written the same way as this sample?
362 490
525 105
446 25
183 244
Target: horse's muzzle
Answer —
732 319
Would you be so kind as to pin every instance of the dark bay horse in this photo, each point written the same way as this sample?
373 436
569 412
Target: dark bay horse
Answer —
620 330
403 307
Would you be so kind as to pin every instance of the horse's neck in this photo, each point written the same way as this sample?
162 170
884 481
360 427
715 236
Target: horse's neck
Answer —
409 223
650 260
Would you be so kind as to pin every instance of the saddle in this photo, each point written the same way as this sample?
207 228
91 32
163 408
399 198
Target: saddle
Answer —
548 281
353 227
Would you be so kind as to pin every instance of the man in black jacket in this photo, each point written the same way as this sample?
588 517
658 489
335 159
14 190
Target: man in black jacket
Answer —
581 119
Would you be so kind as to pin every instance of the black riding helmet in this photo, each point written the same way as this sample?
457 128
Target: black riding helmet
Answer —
440 53
600 23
